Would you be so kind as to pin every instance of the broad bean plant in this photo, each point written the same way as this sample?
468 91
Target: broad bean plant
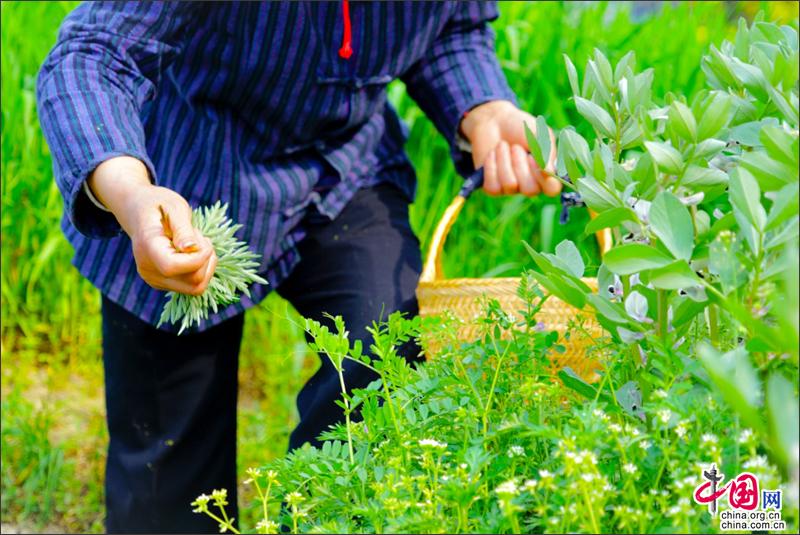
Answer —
698 297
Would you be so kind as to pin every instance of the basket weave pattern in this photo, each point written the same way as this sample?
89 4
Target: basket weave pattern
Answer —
462 297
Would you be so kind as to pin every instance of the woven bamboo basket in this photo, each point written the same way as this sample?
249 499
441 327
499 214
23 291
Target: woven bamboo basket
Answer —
461 297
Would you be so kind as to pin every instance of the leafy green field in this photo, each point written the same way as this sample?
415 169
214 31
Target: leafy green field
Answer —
52 417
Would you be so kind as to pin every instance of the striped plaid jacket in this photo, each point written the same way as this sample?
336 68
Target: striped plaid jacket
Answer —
255 104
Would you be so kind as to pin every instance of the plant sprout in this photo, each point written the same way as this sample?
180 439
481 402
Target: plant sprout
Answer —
236 270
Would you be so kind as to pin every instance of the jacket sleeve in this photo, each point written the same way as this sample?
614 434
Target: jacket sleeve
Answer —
459 72
91 90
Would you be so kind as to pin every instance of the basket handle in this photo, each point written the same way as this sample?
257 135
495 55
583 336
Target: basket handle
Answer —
432 270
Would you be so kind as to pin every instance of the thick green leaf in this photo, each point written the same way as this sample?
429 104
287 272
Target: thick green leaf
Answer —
671 222
780 144
645 174
734 376
628 60
596 195
633 258
675 276
750 76
631 134
745 197
682 120
784 415
786 205
612 311
533 145
576 147
699 177
545 143
572 74
569 254
560 288
788 234
573 381
554 266
723 262
667 158
609 218
597 116
604 69
686 311
715 117
771 174
709 148
788 109
601 88
629 397
747 133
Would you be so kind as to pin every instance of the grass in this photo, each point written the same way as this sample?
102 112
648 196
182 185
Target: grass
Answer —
53 429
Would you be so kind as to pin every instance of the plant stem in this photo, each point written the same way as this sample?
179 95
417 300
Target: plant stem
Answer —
491 389
713 324
346 417
588 502
663 315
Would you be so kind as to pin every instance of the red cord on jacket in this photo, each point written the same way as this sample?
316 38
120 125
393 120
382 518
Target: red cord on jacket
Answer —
347 50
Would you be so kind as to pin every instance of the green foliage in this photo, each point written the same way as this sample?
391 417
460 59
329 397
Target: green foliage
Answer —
485 439
50 315
690 285
235 271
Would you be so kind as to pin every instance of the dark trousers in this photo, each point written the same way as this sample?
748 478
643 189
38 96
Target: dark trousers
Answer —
171 400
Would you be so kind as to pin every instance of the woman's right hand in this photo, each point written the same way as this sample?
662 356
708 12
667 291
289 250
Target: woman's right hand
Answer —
170 253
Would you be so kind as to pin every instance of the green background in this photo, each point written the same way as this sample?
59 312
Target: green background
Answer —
53 428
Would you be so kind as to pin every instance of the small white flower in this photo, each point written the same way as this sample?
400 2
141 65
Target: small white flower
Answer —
516 451
660 393
545 474
759 461
644 444
294 498
745 436
629 336
432 443
630 468
692 200
635 432
629 164
664 415
508 488
680 430
530 484
588 477
636 307
708 438
616 289
616 428
463 466
267 526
